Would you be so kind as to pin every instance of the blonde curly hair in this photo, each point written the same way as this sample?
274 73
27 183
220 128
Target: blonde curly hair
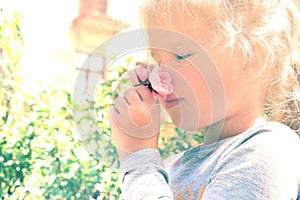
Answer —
270 25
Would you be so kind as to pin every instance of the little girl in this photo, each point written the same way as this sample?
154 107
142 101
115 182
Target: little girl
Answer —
251 106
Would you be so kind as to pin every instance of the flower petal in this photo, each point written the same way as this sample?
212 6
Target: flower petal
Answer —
160 81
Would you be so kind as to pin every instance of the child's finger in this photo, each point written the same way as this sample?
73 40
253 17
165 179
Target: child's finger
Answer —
121 104
114 118
132 96
145 94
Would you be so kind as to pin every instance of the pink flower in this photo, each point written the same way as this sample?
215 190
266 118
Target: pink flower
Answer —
161 82
157 81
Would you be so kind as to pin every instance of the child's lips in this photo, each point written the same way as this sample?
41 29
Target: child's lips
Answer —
173 101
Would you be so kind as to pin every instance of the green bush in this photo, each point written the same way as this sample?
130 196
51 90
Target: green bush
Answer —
40 157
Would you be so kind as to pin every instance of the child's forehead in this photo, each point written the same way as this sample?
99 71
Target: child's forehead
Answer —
176 38
170 39
188 27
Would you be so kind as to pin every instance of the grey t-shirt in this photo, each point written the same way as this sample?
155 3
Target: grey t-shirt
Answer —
261 163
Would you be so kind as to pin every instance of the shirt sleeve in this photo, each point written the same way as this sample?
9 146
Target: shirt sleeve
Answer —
265 167
144 177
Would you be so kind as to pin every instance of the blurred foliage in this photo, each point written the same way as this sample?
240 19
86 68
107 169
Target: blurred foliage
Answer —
40 157
174 140
91 111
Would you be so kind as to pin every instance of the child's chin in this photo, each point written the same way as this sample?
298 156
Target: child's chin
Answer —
186 126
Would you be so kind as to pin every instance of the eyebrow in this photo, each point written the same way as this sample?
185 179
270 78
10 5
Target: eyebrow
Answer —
177 44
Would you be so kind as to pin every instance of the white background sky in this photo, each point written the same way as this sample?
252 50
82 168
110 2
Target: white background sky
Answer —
49 49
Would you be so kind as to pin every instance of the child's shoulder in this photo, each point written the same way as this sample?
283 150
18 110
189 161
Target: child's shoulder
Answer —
269 138
271 133
266 156
270 143
266 136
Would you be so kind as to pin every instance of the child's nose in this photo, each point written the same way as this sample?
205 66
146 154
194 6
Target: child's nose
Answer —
166 61
162 57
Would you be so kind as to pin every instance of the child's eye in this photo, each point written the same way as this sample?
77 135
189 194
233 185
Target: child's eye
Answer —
182 57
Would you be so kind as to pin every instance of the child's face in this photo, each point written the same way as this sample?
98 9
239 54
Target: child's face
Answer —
201 96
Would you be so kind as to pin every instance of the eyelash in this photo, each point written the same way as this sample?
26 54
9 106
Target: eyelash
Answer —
182 57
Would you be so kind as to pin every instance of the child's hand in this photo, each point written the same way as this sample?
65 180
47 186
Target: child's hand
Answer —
135 121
